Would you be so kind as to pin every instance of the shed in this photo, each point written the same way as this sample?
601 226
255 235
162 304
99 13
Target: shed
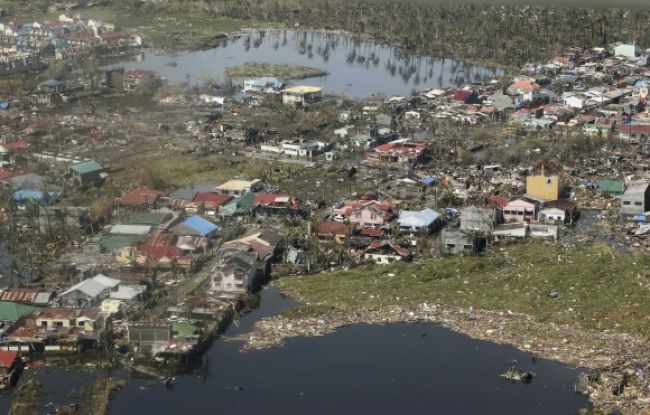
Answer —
614 188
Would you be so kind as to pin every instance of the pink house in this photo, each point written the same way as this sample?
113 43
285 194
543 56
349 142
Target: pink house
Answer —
366 214
234 274
521 210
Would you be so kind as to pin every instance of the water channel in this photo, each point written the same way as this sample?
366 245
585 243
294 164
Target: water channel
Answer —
356 68
358 369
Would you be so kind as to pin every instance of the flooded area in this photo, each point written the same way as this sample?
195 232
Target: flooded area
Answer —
362 369
356 68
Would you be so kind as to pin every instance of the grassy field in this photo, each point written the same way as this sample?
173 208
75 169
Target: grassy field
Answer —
599 289
254 69
160 27
543 3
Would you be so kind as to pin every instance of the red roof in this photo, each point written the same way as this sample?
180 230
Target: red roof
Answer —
525 85
372 232
158 252
6 174
402 147
7 358
16 145
634 128
162 239
211 200
461 95
270 199
139 197
330 228
499 200
379 245
134 74
350 207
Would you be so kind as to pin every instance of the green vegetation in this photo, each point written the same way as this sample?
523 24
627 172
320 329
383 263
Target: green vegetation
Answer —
598 288
253 69
26 399
101 393
160 27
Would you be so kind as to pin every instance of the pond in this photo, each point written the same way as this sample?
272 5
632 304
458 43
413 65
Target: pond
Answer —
356 68
358 369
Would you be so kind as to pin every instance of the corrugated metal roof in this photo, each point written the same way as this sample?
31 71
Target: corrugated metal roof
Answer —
202 226
87 166
13 311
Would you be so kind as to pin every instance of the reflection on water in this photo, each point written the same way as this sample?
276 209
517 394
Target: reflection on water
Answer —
356 67
360 369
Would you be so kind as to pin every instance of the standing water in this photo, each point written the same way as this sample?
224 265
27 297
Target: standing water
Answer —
358 369
356 68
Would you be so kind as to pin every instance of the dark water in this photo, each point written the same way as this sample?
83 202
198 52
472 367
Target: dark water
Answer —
360 369
355 68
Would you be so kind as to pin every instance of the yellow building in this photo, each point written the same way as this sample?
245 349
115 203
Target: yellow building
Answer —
544 187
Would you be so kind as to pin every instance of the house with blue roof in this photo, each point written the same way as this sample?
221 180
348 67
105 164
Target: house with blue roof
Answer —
87 173
196 226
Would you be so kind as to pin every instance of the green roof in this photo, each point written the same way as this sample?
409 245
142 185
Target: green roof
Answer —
611 186
184 329
241 204
87 166
153 219
13 312
110 243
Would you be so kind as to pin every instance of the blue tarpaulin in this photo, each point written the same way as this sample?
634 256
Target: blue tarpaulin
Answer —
639 218
4 105
200 225
26 198
428 180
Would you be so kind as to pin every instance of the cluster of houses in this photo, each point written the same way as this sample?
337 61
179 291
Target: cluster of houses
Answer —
24 47
598 91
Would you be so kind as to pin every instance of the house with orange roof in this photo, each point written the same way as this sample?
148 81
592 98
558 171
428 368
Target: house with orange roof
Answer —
526 90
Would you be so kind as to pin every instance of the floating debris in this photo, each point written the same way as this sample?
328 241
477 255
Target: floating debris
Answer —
516 374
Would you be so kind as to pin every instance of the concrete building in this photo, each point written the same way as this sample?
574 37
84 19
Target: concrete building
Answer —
544 187
456 241
635 200
477 218
239 187
301 96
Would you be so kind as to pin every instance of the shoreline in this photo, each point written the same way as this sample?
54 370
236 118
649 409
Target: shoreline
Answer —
619 359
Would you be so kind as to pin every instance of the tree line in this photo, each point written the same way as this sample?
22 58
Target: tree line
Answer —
506 35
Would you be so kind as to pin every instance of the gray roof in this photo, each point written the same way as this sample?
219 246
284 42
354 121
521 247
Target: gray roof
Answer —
417 219
89 287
